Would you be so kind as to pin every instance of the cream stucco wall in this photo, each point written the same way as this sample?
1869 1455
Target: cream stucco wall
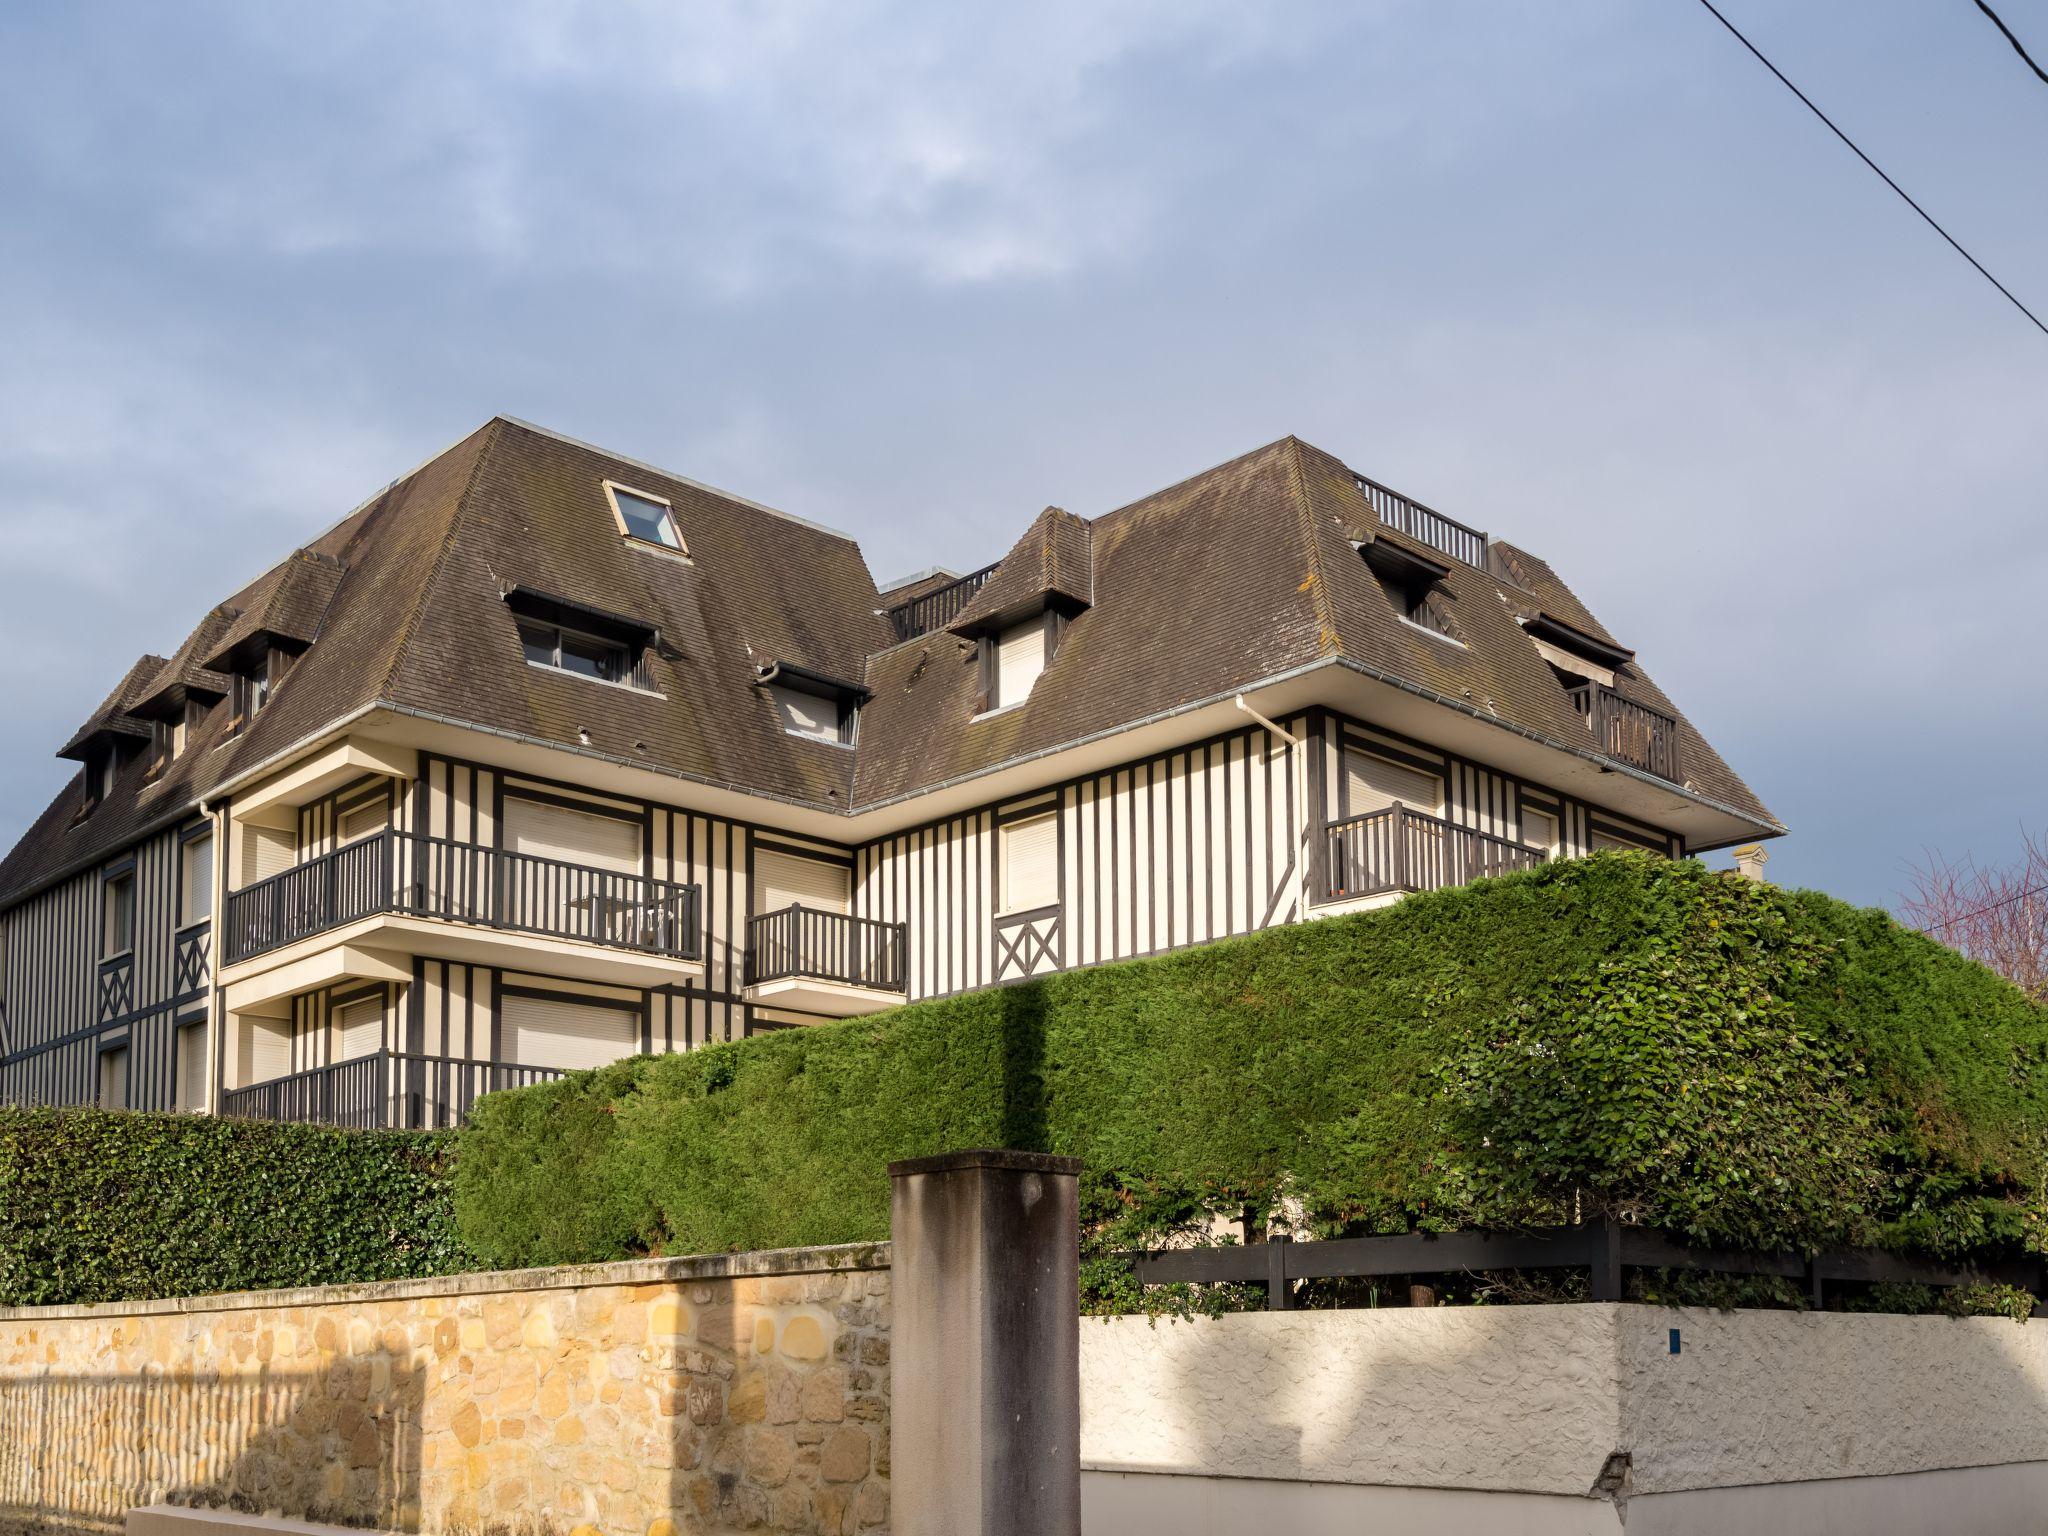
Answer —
1534 1400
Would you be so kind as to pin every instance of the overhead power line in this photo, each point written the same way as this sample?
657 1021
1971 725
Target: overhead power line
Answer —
2018 47
1989 906
1931 223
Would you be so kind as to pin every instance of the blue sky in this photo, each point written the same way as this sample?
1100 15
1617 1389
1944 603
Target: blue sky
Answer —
1580 273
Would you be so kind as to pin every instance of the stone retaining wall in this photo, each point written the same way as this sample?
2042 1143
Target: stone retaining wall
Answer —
644 1399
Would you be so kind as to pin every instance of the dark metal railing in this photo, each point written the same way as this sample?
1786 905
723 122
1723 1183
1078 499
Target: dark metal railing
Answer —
1630 732
402 872
939 607
1426 525
1396 849
1604 1249
827 946
389 1090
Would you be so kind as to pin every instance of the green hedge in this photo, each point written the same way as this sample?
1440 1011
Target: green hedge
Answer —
1744 1064
107 1207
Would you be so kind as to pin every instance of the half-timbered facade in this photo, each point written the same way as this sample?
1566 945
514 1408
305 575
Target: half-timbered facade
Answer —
544 757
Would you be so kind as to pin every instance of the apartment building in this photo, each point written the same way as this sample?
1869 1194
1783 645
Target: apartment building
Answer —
544 756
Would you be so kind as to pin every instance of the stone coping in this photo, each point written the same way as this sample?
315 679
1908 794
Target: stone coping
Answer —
986 1157
705 1266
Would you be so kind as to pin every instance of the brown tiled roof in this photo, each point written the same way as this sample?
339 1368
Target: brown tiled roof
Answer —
1053 563
112 717
1244 572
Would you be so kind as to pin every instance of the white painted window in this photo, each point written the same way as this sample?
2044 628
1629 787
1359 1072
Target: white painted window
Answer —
359 1028
1031 865
195 881
645 517
114 1078
1539 830
549 831
118 934
789 880
192 1067
1020 657
1373 783
567 1033
806 714
364 820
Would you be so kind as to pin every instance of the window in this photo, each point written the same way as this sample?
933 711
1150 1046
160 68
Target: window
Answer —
252 690
364 820
192 1067
811 715
789 880
1372 783
566 650
568 1033
359 1028
114 1078
1539 830
118 933
195 881
646 518
1031 868
1019 658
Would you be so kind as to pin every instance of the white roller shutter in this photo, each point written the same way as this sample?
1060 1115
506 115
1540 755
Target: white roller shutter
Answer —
358 1028
805 714
1539 829
1020 657
266 851
374 816
192 1067
565 1033
1602 843
574 837
1373 783
266 1050
1031 867
787 880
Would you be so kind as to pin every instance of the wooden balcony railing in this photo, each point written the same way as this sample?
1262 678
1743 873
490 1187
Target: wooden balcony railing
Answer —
1629 732
390 1090
827 946
1396 849
1426 525
939 607
401 872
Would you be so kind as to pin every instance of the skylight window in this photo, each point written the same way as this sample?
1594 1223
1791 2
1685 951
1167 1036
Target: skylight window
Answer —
646 518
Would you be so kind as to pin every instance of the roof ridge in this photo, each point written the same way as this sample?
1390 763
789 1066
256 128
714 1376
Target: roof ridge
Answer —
400 651
1326 618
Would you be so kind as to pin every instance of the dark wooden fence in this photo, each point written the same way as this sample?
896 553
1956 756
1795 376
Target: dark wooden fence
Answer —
388 1090
1603 1249
939 607
402 872
1631 732
1398 849
831 946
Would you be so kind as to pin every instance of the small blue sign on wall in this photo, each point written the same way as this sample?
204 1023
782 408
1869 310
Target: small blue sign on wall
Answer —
1674 1341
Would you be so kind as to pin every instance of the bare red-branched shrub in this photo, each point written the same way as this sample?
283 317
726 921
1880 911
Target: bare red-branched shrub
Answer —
1995 914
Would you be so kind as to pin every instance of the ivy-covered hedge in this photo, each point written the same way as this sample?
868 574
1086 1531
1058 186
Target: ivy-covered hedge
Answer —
109 1207
1744 1064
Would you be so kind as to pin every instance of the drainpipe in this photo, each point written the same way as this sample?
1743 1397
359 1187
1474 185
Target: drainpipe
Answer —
216 1021
1268 724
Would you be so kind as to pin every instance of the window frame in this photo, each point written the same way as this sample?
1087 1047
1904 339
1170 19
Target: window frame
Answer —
189 847
111 881
108 1050
614 489
1005 830
629 663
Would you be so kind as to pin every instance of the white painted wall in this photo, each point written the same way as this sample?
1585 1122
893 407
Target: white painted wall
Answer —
1421 1420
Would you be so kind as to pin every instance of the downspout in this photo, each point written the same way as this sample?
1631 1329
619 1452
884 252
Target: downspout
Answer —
216 1021
1268 724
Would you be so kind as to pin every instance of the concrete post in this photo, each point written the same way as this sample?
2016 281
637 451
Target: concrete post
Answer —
985 1352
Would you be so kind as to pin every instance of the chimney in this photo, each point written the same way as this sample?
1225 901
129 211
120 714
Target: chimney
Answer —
1750 861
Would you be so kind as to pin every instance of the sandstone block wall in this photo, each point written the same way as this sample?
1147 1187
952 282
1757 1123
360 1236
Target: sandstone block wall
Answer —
649 1399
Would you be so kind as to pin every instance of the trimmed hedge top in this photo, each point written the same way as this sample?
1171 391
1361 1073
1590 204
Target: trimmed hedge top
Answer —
1747 1065
99 1206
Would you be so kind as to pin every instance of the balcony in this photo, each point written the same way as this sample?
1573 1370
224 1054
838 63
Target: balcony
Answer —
939 607
1396 850
386 1091
1629 732
364 910
826 962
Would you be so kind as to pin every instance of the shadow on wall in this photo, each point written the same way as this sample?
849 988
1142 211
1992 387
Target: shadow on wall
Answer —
1025 1116
340 1445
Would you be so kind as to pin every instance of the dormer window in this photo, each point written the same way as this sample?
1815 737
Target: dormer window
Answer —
1412 584
646 518
589 642
810 704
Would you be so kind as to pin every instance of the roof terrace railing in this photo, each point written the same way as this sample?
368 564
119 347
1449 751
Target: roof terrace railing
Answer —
939 607
1426 525
1629 732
